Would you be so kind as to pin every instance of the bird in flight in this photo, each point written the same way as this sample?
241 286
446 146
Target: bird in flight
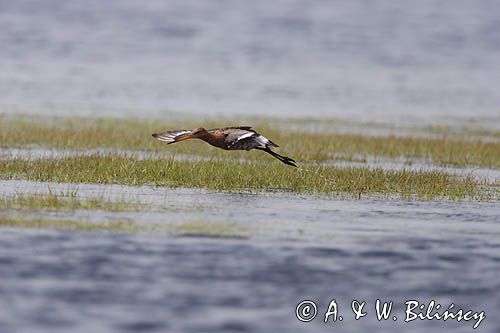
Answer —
228 138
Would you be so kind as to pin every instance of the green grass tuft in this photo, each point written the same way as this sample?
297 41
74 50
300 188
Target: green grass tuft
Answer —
445 149
253 176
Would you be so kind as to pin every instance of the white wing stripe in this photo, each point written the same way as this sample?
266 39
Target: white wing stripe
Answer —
171 137
165 138
246 135
182 133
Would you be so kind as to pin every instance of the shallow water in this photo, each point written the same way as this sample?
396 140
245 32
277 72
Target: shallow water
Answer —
377 61
289 248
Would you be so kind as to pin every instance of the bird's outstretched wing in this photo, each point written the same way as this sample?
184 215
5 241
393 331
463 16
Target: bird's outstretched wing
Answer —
241 138
171 136
246 128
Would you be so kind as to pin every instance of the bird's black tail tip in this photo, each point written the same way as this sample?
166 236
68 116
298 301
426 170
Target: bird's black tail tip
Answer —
288 161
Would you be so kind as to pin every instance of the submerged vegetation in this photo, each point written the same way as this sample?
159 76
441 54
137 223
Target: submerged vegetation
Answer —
123 225
197 228
237 176
65 202
443 148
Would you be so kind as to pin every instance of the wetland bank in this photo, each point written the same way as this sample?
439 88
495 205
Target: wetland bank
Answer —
203 167
48 164
68 153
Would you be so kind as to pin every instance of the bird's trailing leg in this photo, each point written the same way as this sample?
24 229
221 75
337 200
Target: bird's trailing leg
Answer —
284 159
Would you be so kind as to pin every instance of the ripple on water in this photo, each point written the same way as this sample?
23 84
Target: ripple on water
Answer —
317 249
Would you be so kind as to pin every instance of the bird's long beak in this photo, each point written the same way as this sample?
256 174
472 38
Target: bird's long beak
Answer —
184 137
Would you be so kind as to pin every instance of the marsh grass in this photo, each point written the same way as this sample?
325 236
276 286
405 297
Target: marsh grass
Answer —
68 201
190 228
250 176
302 145
118 225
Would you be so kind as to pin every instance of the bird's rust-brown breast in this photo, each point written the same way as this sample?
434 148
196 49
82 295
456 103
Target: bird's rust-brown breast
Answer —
231 138
216 137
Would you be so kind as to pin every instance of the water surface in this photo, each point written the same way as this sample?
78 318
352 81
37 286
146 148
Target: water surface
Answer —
417 62
288 248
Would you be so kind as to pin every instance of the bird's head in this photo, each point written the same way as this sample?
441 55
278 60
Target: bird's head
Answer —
197 132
